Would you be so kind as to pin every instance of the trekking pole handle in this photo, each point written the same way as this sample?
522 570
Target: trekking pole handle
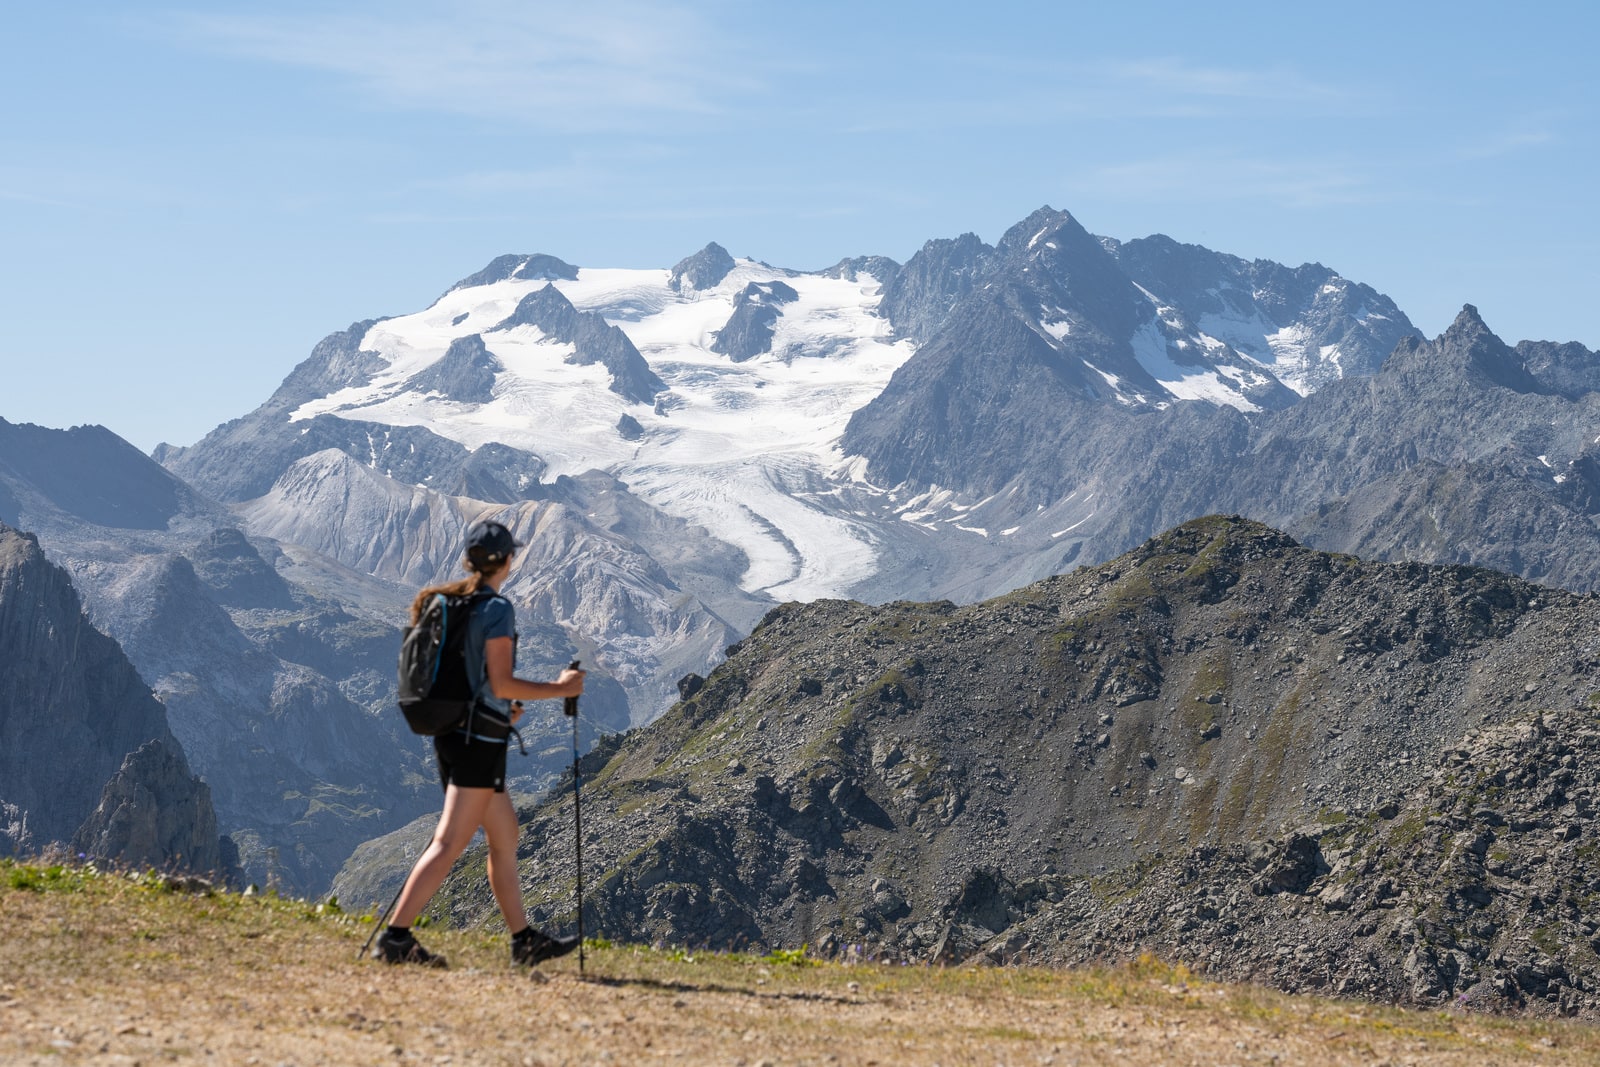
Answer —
569 706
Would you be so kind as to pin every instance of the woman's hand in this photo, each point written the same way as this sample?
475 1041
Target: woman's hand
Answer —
570 682
516 711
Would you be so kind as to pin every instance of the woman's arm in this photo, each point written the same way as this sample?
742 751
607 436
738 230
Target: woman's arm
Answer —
497 656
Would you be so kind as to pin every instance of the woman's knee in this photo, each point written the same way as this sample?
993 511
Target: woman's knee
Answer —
451 841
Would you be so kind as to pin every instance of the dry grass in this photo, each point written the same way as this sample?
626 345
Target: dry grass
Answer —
104 968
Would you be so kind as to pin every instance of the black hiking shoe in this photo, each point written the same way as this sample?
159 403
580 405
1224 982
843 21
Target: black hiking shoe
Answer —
393 949
532 947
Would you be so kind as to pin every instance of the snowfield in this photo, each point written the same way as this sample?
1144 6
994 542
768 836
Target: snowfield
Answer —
727 446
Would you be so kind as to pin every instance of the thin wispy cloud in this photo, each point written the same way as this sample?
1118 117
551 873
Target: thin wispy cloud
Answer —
1180 79
1004 91
1505 144
14 196
1209 177
542 64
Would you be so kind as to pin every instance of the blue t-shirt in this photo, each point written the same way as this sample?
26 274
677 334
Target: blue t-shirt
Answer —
491 617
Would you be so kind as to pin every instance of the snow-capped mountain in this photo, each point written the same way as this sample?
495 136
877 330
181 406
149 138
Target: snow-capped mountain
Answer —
721 440
719 391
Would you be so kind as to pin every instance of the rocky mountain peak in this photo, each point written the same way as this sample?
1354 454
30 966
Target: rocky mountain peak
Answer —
1569 369
593 340
919 299
702 270
881 268
749 330
466 373
92 474
520 267
1467 348
337 362
1044 225
548 309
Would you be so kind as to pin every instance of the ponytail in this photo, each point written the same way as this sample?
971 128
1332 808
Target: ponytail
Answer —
465 587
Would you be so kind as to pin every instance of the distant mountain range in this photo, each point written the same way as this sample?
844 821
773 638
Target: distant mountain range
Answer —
686 447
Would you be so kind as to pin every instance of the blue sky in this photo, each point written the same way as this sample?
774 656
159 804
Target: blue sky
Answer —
192 195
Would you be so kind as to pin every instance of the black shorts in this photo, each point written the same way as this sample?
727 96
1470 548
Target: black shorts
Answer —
468 764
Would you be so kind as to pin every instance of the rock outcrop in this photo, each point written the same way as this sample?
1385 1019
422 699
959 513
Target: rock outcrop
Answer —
85 738
154 813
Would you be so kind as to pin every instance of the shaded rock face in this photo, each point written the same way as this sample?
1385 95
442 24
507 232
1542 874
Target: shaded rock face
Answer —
1569 370
702 270
1046 413
465 373
303 768
90 473
922 294
154 813
80 726
927 780
233 570
593 339
750 328
521 267
336 362
881 269
1453 452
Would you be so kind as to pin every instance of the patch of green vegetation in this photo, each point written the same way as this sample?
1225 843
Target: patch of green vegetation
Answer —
43 879
1237 805
1202 800
1005 1033
790 957
629 807
1113 887
1214 675
1407 830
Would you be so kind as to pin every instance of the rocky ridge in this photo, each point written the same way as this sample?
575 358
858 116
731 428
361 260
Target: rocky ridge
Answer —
933 782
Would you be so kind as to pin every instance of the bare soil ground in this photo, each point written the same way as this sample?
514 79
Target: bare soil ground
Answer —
113 969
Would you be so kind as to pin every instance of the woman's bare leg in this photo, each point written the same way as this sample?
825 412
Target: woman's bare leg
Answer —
463 814
500 827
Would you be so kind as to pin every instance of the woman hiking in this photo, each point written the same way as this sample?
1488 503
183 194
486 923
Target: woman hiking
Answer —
472 761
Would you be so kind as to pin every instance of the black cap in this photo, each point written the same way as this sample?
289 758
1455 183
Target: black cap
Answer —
488 545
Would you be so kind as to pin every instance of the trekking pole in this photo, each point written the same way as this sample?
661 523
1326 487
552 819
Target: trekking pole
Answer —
570 707
381 920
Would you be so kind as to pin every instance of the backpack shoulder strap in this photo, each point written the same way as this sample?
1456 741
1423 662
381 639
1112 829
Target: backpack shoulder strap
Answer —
481 596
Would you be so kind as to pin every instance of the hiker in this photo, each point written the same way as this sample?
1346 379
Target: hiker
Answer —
472 761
